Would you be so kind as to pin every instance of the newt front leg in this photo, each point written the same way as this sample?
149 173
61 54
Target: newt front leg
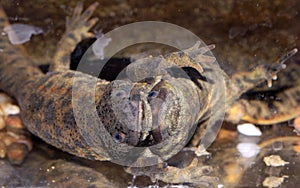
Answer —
77 28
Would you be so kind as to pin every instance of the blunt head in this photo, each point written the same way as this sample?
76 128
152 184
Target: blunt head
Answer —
155 116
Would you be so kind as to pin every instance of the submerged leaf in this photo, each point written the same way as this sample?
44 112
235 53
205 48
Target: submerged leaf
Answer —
21 33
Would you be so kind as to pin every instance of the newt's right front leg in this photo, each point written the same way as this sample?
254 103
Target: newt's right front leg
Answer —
77 28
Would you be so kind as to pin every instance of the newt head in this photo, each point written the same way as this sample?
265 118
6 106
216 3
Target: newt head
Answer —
153 114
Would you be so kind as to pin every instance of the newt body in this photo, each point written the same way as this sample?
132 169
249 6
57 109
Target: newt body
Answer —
47 109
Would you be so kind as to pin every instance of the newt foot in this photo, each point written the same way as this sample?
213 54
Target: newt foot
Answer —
194 173
273 73
80 21
77 28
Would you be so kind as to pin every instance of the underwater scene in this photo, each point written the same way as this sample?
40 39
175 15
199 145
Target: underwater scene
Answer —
149 94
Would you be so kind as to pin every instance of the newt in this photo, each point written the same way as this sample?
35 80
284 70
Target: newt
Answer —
47 109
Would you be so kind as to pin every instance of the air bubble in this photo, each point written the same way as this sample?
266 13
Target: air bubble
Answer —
283 66
277 146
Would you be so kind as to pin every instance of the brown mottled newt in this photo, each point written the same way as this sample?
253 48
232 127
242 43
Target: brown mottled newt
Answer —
47 109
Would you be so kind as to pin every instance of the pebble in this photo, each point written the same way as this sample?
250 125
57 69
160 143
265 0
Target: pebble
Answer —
14 122
9 109
296 147
249 129
27 142
16 153
2 150
273 181
296 124
14 141
275 161
5 98
7 139
2 123
1 112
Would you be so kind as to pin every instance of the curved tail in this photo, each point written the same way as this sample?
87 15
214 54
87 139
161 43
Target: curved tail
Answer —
16 71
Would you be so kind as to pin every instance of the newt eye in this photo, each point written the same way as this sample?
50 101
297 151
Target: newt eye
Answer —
120 137
120 94
152 94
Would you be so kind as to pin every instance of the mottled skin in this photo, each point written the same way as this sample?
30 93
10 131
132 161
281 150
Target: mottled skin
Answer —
271 105
46 99
47 110
52 90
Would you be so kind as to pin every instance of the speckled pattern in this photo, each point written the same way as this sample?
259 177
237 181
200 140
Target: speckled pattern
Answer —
271 105
47 112
46 99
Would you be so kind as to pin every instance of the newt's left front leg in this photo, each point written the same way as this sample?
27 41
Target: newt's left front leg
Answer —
260 112
195 173
245 81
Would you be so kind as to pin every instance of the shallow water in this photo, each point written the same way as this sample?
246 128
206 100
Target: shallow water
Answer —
246 34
